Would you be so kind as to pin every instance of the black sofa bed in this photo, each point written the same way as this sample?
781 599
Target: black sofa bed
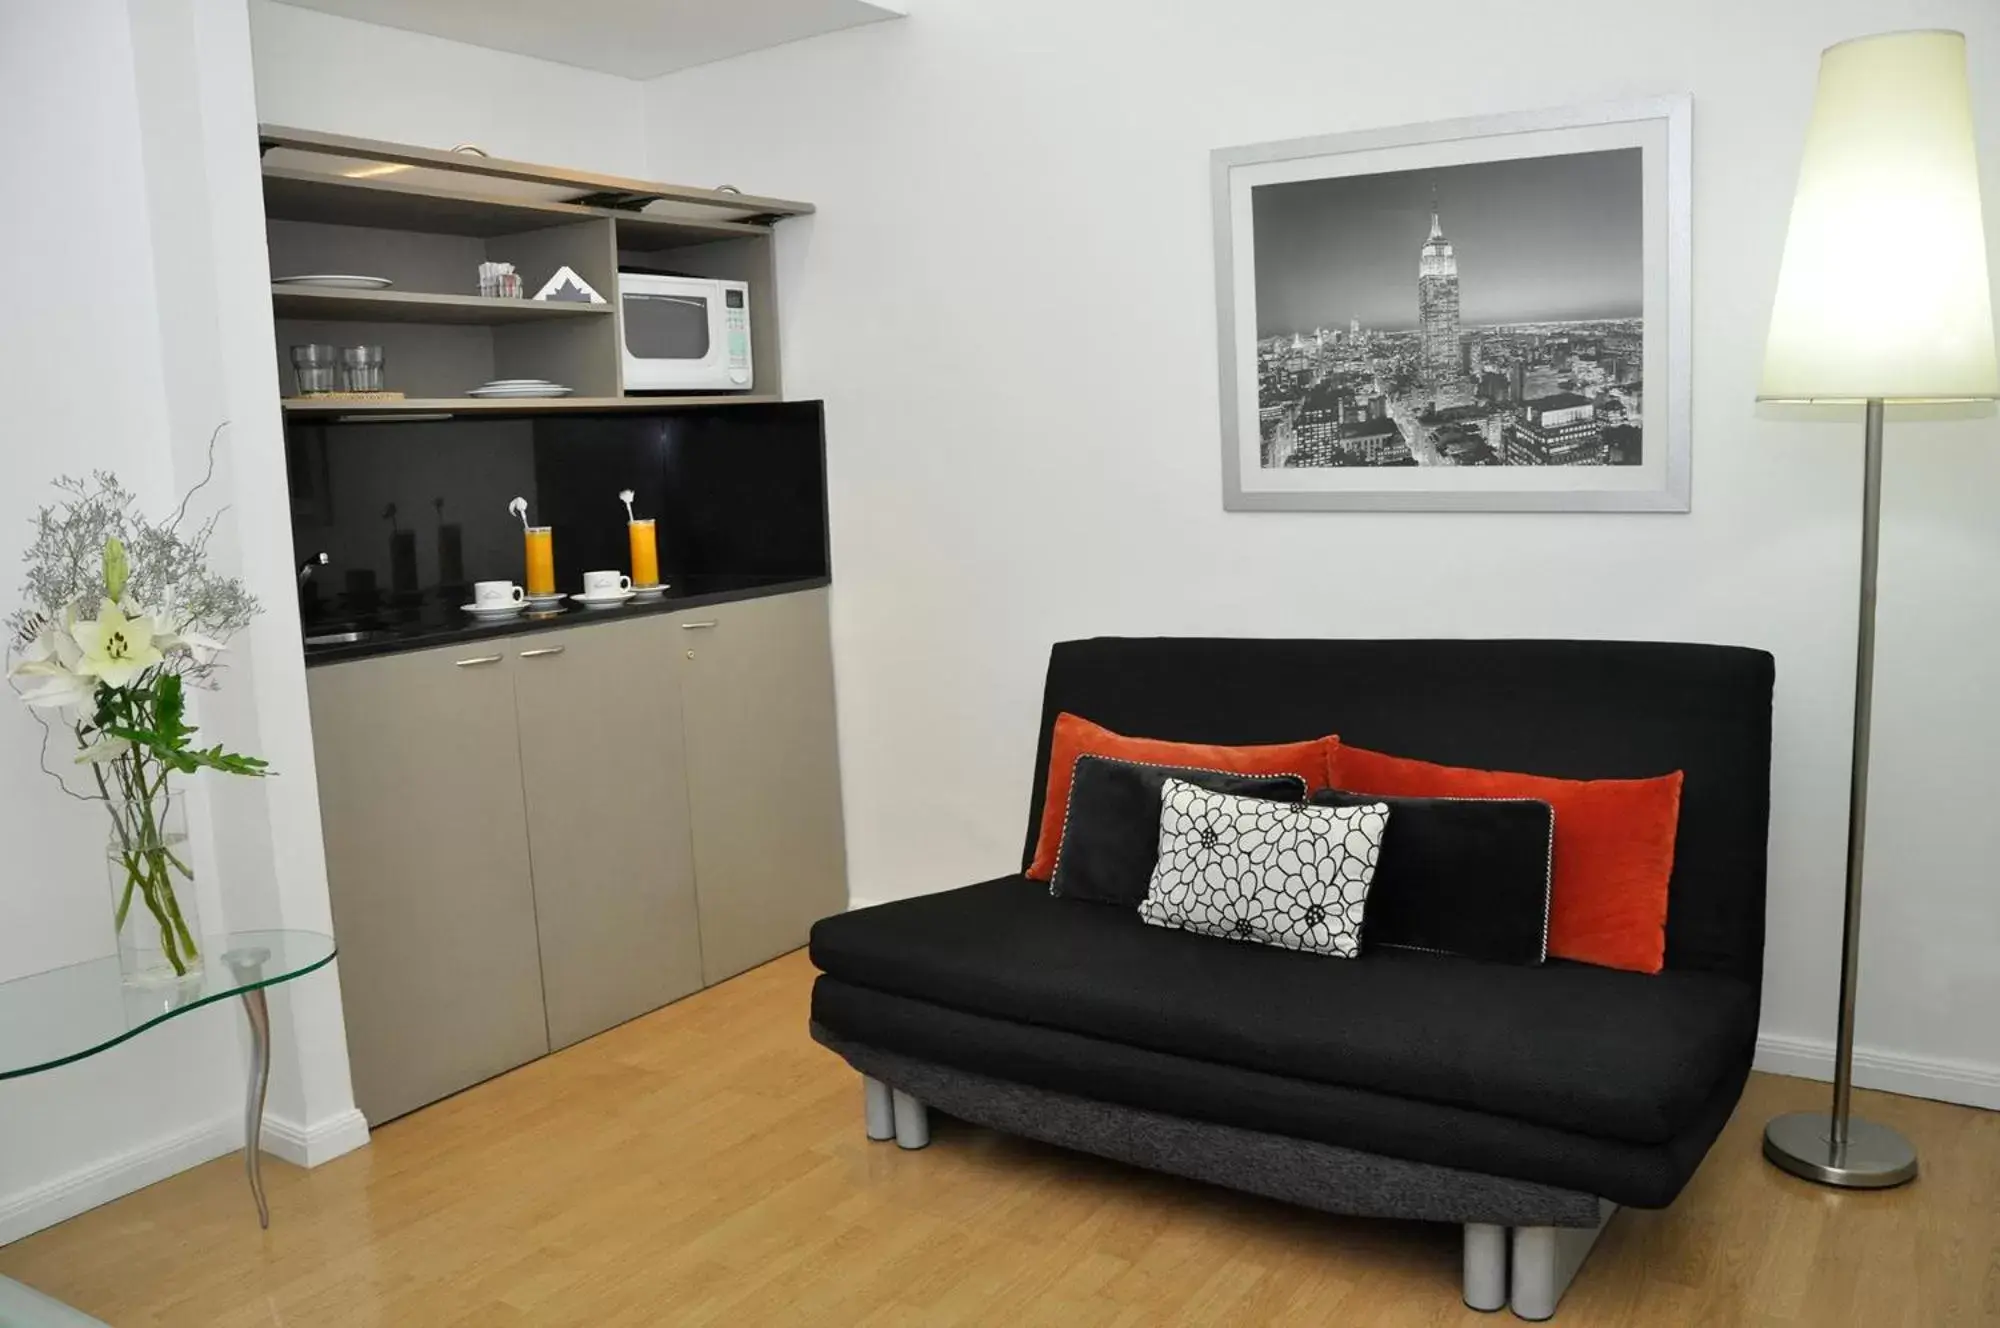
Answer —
1523 1102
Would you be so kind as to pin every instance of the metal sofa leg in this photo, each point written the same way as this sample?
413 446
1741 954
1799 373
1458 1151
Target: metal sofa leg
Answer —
877 1109
1545 1259
1485 1266
913 1122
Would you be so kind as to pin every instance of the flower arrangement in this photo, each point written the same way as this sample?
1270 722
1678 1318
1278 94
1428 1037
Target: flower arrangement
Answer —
120 615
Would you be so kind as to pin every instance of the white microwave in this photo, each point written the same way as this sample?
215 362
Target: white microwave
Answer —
681 334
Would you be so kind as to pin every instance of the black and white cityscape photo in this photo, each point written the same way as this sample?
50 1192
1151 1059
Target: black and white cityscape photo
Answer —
1486 314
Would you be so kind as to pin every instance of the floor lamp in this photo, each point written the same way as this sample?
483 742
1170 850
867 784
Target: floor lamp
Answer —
1882 298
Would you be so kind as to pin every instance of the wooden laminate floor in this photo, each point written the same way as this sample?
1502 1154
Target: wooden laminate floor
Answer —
706 1165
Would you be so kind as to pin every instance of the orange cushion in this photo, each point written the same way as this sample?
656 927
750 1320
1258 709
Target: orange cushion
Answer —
1614 847
1076 736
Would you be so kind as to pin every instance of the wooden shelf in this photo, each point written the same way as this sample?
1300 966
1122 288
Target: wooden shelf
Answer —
445 173
299 195
309 407
394 306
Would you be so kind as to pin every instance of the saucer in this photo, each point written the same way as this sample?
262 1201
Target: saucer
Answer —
494 610
549 601
650 592
602 601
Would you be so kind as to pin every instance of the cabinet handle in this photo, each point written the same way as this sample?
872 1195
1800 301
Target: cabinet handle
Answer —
695 626
477 660
543 650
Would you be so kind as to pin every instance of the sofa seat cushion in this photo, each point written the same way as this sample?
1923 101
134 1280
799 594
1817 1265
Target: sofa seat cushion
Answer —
1593 1051
1642 1175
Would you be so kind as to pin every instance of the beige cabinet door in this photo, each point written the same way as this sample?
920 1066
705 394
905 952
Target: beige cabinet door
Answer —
427 864
763 775
599 710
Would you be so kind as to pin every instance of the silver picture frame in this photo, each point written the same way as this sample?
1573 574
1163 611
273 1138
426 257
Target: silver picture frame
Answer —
1660 482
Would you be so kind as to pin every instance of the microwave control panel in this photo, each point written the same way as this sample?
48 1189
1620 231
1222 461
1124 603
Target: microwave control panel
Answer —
736 327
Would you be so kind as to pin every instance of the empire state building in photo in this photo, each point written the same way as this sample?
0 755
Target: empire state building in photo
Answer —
1437 308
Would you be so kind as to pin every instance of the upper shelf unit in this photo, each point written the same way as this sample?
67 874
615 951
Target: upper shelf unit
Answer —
424 220
434 171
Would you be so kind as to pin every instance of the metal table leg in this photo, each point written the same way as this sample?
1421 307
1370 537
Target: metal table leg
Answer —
260 1082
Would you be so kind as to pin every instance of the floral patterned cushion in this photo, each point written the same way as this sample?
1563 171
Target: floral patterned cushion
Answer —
1250 869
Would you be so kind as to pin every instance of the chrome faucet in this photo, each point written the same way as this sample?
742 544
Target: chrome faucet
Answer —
309 566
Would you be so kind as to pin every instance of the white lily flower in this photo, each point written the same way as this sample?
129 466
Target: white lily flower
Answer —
104 751
116 648
183 639
203 648
64 691
50 662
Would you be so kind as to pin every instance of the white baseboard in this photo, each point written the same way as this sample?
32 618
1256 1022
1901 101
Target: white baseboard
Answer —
1965 1082
57 1200
64 1197
310 1145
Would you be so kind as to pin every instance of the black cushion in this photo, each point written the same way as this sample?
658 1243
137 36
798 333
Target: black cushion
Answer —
1460 876
1645 1175
1573 1047
1111 829
1573 709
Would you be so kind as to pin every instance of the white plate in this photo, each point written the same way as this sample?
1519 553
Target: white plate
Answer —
602 601
336 280
519 382
507 393
650 592
494 610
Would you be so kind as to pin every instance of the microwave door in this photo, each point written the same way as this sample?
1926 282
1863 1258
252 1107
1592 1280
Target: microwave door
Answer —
668 329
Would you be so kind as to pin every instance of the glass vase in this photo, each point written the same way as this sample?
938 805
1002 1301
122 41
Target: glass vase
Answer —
152 886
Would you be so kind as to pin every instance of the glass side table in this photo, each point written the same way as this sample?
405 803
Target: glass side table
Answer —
63 1015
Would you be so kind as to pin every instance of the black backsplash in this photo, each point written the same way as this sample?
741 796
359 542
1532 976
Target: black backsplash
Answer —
737 491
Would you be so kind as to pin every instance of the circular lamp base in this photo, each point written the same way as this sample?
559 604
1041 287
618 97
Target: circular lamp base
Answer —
1875 1158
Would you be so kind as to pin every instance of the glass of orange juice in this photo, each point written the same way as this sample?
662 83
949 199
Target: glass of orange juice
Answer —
541 560
645 552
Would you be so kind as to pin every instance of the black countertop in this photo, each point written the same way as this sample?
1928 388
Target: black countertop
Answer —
436 622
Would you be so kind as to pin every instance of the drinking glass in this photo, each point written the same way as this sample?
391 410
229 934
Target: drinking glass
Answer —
645 552
541 560
361 369
315 368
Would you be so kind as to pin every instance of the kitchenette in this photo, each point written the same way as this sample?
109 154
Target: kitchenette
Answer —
563 581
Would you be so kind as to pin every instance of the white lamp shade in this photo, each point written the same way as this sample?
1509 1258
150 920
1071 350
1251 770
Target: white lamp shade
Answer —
1883 289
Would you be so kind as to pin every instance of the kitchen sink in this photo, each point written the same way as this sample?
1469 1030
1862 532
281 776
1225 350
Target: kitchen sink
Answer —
353 636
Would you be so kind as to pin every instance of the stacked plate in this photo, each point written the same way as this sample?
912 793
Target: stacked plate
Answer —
335 281
519 387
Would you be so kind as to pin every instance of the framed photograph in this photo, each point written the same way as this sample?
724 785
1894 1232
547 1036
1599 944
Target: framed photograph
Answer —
1472 315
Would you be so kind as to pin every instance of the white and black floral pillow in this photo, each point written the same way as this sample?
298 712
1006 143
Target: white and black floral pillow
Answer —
1255 870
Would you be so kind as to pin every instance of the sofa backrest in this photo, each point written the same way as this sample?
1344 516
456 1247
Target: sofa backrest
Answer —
1575 709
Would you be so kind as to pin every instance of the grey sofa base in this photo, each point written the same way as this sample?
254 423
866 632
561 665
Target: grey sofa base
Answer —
1522 1239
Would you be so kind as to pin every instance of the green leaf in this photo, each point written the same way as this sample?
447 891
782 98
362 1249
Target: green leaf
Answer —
170 709
176 756
117 570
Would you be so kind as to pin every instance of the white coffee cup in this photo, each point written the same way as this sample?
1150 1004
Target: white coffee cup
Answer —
603 585
495 594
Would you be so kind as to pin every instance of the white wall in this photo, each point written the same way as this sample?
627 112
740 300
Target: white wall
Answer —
67 72
122 348
318 71
1006 300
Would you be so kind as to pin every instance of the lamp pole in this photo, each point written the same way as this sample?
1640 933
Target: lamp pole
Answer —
1832 1147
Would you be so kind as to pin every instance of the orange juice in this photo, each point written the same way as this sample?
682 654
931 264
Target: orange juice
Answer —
645 552
541 560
